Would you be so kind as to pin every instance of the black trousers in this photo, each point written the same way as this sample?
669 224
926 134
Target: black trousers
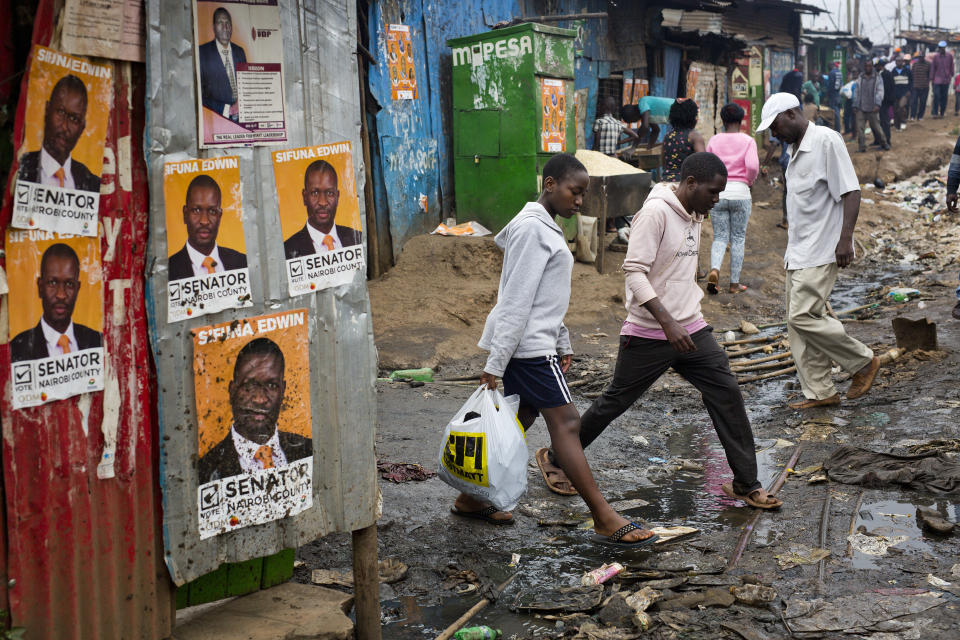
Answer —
641 361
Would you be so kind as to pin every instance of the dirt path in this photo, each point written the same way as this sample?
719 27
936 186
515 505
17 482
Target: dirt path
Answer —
429 311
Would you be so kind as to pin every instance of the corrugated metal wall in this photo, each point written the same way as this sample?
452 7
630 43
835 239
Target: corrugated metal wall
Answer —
322 105
85 552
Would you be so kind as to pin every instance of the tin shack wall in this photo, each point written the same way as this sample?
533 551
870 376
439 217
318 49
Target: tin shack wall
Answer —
85 556
416 136
323 105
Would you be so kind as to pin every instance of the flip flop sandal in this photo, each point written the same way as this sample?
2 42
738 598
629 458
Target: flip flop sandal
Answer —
615 540
728 490
484 514
543 459
713 279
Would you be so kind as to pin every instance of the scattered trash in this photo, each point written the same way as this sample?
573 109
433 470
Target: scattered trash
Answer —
689 466
592 631
955 570
405 375
754 594
856 613
640 440
712 597
477 633
915 334
403 472
514 560
902 294
390 569
816 430
931 520
939 583
601 574
800 555
626 505
670 533
729 336
657 460
568 599
930 471
748 328
640 600
472 229
873 545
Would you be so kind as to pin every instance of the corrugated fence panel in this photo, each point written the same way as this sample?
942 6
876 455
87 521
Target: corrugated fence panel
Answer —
322 105
85 552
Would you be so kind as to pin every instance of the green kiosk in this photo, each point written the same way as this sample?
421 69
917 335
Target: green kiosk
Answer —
512 110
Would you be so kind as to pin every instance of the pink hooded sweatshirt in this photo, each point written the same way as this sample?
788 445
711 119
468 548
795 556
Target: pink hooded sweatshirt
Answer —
661 260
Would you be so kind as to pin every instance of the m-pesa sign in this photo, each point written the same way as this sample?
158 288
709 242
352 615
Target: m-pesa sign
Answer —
480 52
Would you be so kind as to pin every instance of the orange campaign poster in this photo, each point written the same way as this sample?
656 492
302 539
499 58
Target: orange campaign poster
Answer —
554 130
319 216
58 179
255 428
207 264
403 77
56 288
693 75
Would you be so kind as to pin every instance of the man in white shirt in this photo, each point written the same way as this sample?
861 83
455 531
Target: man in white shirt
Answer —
65 118
320 197
823 204
218 60
58 286
200 254
254 442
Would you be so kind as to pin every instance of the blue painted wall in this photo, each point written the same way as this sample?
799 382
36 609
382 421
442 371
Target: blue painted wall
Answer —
415 136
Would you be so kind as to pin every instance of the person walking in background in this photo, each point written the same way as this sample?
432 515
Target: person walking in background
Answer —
608 130
921 86
902 86
886 107
683 140
866 103
792 81
941 74
834 84
956 95
812 87
849 113
823 207
731 213
953 182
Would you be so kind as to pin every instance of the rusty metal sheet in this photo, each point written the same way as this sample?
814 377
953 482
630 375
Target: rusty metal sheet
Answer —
323 105
84 546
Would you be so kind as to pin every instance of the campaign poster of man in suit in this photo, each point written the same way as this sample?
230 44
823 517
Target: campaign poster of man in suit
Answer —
58 177
57 345
239 67
255 459
319 216
207 269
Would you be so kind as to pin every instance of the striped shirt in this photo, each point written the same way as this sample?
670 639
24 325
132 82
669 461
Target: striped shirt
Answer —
921 74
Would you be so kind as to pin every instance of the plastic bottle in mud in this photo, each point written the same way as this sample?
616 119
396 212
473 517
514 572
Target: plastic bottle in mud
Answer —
477 633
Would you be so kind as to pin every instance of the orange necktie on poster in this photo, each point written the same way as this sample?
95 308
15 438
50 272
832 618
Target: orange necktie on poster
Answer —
328 242
60 175
209 264
64 343
264 456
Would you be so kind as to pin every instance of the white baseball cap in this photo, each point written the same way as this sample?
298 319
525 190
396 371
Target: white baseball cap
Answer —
942 43
774 106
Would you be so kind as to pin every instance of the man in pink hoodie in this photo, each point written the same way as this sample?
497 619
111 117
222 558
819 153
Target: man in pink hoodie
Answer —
665 328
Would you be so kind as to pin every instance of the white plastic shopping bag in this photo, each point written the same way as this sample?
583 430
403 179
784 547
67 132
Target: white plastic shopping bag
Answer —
484 451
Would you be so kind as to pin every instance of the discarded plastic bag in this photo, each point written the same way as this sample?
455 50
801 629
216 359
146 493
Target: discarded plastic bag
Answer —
473 229
586 238
484 451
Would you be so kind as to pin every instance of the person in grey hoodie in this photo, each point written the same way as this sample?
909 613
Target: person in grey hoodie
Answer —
530 347
665 329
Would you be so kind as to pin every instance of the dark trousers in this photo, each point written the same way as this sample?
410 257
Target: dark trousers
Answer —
939 99
956 101
886 112
849 118
900 110
641 361
919 102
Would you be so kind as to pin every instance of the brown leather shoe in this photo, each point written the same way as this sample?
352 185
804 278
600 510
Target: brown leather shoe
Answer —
863 379
832 401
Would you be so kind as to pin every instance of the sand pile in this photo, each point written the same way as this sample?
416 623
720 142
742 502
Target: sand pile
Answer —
600 164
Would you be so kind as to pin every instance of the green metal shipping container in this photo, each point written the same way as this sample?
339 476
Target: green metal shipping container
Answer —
512 110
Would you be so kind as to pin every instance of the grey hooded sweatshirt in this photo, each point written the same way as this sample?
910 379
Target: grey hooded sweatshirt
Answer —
527 321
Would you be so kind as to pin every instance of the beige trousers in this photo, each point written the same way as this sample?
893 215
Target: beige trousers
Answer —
817 339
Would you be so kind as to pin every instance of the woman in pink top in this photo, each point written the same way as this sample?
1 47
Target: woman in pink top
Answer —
729 216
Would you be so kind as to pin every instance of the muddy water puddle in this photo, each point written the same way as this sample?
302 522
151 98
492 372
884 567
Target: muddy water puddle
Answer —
896 520
558 557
